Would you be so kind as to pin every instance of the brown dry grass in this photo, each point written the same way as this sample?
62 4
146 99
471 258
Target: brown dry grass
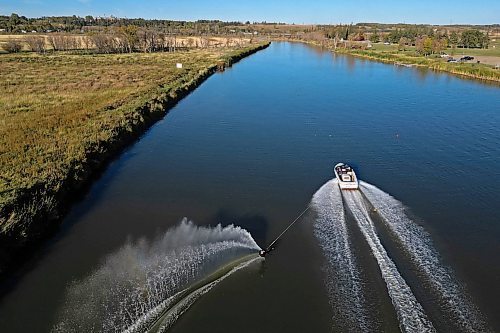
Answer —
55 108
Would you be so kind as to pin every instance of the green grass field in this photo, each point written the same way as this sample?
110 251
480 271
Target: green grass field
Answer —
59 110
492 51
389 53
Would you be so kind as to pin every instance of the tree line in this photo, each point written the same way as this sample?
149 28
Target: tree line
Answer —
124 39
470 38
16 24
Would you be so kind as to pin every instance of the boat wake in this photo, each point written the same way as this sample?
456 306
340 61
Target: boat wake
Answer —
147 286
417 244
345 280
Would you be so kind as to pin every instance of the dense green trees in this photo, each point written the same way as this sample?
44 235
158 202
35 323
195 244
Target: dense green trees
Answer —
470 38
401 34
454 39
375 37
15 23
474 39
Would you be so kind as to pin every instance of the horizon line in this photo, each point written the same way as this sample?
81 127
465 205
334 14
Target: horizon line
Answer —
254 21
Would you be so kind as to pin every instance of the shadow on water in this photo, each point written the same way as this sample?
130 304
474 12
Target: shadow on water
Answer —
256 225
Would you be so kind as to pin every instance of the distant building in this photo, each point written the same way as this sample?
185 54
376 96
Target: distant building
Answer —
2 30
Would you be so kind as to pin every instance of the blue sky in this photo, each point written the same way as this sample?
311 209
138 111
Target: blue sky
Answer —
291 11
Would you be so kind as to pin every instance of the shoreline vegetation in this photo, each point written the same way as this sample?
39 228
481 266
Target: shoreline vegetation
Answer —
469 70
66 115
421 45
77 90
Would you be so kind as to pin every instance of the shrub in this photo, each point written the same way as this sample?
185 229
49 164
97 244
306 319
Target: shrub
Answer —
36 43
13 46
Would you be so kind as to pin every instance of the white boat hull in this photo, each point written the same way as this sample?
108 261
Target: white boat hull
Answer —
348 185
347 180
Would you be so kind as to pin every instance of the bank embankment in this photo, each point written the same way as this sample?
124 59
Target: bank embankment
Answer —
64 117
466 69
472 70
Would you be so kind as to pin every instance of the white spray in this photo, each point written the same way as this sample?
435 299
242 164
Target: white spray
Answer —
344 282
417 243
410 313
140 280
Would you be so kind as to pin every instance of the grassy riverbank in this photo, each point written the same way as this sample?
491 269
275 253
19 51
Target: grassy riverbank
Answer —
390 54
468 69
63 116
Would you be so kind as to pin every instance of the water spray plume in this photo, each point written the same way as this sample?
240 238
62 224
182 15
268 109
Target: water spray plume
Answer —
142 280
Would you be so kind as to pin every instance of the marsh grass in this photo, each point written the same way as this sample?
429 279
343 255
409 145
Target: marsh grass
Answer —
60 113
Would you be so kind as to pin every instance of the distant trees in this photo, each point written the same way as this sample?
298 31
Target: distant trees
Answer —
126 39
454 39
439 44
375 37
474 39
13 46
427 45
13 21
359 36
63 42
340 32
394 36
103 43
130 37
403 41
424 45
17 23
36 43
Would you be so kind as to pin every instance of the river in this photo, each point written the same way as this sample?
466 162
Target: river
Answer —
252 146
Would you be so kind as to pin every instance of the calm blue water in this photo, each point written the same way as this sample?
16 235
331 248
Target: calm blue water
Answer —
252 145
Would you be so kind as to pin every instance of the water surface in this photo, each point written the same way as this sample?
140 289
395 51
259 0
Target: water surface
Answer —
251 146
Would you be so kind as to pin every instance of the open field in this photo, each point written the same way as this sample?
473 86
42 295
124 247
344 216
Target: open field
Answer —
469 69
485 70
489 56
62 114
493 50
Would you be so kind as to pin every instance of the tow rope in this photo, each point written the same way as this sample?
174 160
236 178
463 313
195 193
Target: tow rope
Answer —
271 247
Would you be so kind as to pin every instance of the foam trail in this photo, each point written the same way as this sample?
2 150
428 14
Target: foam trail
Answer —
411 315
138 282
418 245
184 305
344 283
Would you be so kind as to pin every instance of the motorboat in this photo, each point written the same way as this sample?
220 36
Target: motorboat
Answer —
346 177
